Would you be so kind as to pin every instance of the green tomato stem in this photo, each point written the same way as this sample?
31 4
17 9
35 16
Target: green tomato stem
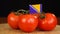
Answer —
23 11
42 15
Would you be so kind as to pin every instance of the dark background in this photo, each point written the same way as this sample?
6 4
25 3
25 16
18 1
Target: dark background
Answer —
6 6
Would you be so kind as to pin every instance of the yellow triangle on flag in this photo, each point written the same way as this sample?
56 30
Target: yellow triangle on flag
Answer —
37 7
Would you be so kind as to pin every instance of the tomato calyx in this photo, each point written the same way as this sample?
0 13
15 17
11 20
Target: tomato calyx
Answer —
42 15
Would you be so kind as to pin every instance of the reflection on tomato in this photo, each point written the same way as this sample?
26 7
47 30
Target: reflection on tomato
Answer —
37 15
48 23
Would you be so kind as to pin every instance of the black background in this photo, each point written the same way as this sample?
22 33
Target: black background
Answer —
6 6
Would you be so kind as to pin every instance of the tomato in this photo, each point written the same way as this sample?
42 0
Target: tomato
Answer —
13 20
28 22
48 23
36 15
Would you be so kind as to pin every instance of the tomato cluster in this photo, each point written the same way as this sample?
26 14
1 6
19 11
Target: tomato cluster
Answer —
29 22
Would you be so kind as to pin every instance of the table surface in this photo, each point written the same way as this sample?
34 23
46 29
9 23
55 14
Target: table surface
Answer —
5 29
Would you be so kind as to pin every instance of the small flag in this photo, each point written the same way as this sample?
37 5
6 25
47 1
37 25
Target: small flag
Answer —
37 8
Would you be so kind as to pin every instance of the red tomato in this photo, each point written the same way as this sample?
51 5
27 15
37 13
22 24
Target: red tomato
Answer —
13 20
48 23
36 15
28 23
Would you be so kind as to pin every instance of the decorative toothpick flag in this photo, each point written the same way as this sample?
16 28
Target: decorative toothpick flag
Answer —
37 8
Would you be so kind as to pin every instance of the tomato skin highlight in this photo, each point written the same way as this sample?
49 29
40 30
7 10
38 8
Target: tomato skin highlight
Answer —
13 20
48 23
36 15
28 23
